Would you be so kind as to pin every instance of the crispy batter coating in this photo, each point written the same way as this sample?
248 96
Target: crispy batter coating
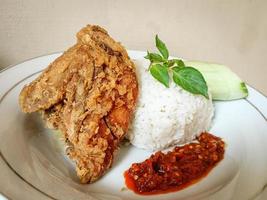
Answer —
89 94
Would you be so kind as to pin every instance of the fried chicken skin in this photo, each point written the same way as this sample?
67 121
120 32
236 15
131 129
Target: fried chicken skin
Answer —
89 93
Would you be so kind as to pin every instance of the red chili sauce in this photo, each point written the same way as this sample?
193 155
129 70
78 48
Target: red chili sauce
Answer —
177 169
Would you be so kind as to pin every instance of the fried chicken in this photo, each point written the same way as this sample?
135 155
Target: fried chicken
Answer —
89 94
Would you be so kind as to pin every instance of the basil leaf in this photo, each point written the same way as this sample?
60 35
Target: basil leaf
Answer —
162 48
154 57
170 63
179 62
160 73
191 80
147 56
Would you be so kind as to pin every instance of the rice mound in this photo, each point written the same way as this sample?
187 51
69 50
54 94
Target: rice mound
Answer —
166 116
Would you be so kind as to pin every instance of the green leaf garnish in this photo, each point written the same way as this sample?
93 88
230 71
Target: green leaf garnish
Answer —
191 80
179 63
154 57
160 72
162 48
176 62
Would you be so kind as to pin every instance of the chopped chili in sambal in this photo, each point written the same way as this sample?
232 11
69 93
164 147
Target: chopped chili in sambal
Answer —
177 169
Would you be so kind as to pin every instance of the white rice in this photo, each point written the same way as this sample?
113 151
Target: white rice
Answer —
166 116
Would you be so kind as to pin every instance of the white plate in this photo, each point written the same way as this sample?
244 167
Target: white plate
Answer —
33 164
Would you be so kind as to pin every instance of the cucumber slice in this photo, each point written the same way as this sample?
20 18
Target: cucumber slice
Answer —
222 82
